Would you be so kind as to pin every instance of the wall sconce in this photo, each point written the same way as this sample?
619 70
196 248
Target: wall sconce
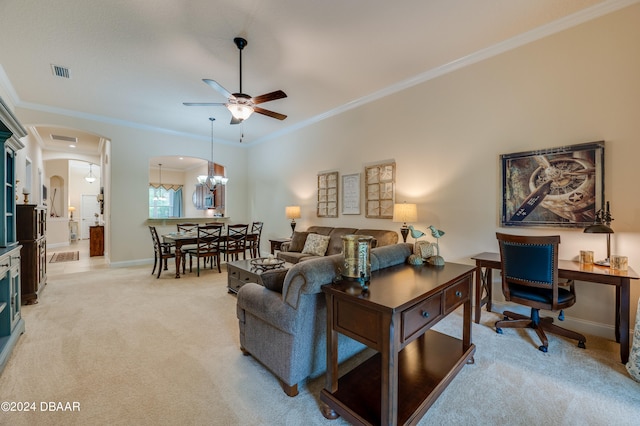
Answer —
293 213
404 213
601 225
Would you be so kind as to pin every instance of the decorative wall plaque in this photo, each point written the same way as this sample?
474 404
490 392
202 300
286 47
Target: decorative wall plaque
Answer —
380 190
328 194
351 194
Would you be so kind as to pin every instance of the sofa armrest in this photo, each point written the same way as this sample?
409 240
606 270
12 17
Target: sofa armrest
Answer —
266 305
285 246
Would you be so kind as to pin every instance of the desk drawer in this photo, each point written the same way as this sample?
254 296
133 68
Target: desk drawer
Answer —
457 294
419 316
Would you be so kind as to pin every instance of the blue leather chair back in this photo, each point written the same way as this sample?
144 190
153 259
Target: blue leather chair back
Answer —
529 262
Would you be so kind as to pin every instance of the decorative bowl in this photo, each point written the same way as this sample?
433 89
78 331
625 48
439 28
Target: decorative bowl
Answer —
263 264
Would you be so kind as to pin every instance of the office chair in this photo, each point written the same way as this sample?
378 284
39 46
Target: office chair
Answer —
530 278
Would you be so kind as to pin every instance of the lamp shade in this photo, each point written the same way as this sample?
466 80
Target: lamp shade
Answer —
292 212
405 212
598 228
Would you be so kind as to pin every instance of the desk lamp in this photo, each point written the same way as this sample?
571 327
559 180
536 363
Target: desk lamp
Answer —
404 213
601 225
293 213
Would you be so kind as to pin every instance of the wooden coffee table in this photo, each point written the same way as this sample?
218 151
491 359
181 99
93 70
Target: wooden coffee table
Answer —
240 272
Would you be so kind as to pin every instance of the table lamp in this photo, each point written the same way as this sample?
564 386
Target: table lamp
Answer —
601 225
293 213
71 210
405 212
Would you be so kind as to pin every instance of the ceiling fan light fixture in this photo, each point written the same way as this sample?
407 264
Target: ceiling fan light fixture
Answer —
240 111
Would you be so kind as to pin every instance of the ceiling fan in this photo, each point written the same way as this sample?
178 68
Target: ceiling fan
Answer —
240 104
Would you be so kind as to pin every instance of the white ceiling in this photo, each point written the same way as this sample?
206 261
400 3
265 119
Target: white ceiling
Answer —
134 62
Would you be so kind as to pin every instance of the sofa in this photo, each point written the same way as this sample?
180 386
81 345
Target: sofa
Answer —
294 250
285 328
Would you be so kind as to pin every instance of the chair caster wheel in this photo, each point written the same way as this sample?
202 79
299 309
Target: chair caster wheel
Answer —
543 348
581 345
498 330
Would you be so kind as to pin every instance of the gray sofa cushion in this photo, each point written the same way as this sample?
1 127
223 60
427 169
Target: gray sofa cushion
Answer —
297 241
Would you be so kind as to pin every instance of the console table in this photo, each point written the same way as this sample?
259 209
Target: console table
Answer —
413 364
570 270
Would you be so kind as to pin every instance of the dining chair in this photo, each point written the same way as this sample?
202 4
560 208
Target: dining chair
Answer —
236 242
207 246
253 239
530 278
161 251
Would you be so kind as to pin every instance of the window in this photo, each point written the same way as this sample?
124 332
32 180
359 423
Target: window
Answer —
165 202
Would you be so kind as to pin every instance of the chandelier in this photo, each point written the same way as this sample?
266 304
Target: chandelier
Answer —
211 179
90 177
157 194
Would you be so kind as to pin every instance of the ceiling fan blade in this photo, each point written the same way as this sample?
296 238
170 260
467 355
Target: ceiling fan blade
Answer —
269 113
278 94
219 88
202 104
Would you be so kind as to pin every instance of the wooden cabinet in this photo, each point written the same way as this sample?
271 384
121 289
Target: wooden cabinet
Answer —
96 240
31 223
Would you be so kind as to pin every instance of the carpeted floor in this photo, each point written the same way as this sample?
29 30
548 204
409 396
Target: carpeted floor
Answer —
65 256
133 349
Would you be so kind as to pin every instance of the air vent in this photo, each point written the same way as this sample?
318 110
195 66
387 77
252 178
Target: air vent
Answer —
64 138
60 71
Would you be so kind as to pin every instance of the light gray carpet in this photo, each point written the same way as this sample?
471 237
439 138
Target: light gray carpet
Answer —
133 349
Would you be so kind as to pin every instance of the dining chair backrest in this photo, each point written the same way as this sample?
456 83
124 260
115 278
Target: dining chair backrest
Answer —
209 238
187 227
254 241
155 238
237 237
256 229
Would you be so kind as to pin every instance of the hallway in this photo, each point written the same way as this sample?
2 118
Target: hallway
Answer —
83 264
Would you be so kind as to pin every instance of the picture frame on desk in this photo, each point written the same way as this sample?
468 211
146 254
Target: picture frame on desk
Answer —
553 187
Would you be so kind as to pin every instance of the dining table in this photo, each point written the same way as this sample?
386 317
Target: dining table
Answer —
181 239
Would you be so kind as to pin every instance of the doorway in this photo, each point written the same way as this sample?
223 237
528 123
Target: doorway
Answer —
90 211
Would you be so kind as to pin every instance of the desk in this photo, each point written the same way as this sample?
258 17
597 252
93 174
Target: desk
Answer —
571 270
414 364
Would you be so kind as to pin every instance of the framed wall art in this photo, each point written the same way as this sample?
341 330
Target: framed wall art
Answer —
559 187
380 190
327 194
351 194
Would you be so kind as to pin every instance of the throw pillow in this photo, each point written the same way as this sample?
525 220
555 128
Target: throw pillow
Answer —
316 244
297 241
273 280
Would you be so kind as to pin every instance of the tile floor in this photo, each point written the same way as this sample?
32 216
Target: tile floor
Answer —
85 263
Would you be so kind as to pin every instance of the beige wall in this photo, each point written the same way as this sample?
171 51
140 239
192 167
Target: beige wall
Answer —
126 170
446 136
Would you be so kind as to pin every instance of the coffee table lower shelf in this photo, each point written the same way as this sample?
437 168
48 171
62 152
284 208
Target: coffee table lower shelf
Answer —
426 367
